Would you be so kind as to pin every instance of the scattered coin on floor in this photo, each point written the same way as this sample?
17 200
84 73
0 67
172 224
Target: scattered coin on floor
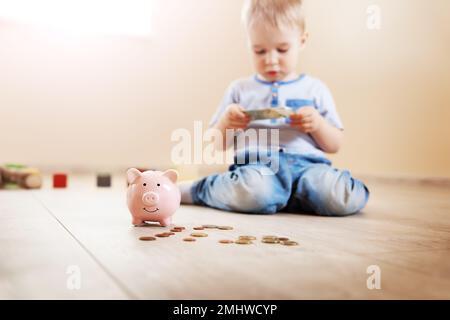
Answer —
147 238
162 235
243 241
247 238
209 226
226 241
289 243
225 228
199 234
270 240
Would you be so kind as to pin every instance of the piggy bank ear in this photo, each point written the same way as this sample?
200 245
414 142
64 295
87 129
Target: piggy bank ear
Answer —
171 174
132 175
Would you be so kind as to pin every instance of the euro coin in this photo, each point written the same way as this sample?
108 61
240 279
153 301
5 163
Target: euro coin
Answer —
226 241
225 228
270 237
242 241
270 240
199 234
247 238
289 243
147 238
162 235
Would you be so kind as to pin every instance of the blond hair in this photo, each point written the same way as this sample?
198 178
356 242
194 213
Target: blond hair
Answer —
277 13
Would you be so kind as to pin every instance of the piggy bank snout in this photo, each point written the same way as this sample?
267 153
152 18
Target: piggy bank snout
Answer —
150 198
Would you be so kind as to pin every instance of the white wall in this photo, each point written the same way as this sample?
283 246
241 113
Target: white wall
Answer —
114 101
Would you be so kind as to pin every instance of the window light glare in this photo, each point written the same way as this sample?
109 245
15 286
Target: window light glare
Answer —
120 17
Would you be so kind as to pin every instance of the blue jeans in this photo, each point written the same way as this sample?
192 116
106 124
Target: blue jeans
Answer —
300 184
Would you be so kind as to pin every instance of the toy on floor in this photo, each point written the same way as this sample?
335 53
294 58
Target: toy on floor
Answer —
20 176
103 180
152 196
59 180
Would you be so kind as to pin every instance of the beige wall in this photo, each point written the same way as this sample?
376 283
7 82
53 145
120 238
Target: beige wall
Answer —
113 101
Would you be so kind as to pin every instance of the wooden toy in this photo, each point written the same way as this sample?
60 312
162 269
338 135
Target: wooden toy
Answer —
21 175
59 180
103 180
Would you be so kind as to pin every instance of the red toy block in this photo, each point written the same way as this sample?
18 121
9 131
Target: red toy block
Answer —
59 180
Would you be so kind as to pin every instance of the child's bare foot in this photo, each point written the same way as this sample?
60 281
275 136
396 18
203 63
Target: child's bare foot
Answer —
185 188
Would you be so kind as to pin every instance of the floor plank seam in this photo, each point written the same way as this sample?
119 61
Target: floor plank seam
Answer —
122 286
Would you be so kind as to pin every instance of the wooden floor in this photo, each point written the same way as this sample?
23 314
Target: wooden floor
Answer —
47 234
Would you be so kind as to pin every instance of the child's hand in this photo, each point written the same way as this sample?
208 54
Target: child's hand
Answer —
234 117
307 120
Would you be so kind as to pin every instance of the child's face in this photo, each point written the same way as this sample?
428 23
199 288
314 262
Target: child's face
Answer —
275 51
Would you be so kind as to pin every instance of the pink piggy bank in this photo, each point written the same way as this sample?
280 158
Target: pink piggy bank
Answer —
152 196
